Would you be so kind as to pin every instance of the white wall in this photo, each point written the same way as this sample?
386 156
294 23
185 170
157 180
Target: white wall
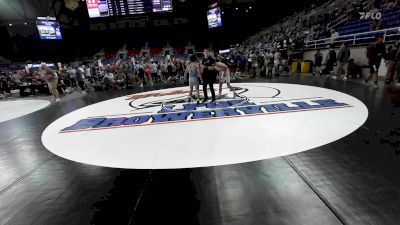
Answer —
358 53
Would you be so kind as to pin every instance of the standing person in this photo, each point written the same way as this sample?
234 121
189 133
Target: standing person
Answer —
193 69
209 75
170 69
375 52
52 80
179 68
5 84
242 63
140 74
261 64
318 62
342 60
154 71
71 73
284 62
391 55
147 71
224 77
164 71
79 77
277 63
254 65
330 61
232 64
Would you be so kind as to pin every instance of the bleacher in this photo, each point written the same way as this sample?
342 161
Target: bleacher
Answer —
390 19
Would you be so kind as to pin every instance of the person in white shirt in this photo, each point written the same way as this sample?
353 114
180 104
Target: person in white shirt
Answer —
52 80
108 80
164 71
154 70
224 77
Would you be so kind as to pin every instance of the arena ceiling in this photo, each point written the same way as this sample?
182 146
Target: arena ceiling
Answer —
22 10
12 11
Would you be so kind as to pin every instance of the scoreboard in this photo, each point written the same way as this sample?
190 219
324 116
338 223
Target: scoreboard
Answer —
105 8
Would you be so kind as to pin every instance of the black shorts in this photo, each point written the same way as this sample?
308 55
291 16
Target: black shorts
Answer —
374 68
209 79
67 82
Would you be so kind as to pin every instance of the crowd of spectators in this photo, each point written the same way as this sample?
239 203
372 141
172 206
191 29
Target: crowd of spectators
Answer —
268 54
93 76
317 22
125 74
346 66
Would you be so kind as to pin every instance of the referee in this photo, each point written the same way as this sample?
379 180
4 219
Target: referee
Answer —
209 74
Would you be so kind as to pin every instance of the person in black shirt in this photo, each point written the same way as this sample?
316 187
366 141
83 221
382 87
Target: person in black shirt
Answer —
330 61
209 74
391 55
375 53
5 84
317 62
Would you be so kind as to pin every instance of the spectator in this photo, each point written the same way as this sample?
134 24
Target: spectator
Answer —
284 62
164 71
390 60
154 71
380 25
147 71
342 59
353 69
372 26
277 63
120 79
79 77
330 61
254 65
140 73
52 80
317 62
334 35
170 68
375 52
5 84
108 80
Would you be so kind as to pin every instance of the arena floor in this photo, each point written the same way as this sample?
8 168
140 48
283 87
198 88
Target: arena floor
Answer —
344 171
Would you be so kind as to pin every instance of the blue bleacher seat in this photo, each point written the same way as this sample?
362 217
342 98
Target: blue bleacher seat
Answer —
390 19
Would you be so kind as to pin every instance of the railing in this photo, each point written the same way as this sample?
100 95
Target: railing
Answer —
343 18
389 35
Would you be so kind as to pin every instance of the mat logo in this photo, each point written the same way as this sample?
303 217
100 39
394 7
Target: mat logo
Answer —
190 112
370 15
161 129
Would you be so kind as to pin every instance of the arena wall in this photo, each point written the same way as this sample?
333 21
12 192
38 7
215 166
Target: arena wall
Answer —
358 53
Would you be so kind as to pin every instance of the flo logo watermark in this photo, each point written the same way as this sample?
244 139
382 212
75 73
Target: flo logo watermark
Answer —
370 15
